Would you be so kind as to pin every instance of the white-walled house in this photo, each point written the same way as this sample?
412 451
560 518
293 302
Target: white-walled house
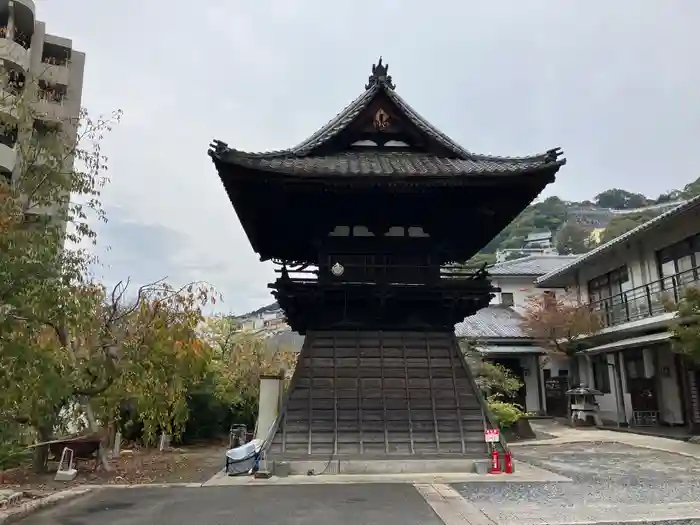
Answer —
630 360
516 278
496 332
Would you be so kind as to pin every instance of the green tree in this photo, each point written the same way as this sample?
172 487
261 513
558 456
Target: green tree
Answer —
686 330
158 355
572 239
479 260
550 214
492 379
691 189
51 196
621 199
621 224
241 358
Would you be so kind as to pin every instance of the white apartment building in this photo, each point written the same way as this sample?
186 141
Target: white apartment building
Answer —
45 69
630 360
497 333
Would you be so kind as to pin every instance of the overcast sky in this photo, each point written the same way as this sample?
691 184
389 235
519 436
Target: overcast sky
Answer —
613 83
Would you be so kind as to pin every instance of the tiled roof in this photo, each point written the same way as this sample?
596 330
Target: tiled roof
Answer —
532 265
387 163
289 160
492 322
508 350
352 110
599 251
539 236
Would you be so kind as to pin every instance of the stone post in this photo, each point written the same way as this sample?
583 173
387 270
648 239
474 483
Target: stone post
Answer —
271 387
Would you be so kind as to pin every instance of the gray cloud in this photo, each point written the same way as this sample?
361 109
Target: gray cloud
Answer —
615 83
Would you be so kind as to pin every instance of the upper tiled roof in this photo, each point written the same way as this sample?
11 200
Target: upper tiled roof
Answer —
687 206
532 265
288 161
389 163
492 322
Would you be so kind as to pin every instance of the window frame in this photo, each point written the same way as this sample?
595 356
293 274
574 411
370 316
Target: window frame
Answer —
674 253
512 298
612 283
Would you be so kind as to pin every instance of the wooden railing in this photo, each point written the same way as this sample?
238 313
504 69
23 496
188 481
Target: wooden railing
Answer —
410 274
647 300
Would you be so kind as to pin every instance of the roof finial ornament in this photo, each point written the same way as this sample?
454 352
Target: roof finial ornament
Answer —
380 75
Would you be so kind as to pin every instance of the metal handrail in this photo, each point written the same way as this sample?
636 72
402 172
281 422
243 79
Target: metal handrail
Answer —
645 301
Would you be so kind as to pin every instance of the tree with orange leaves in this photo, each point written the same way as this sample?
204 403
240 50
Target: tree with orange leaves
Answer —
240 359
109 349
560 325
160 356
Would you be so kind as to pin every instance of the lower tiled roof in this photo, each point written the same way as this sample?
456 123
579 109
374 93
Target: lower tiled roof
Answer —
492 322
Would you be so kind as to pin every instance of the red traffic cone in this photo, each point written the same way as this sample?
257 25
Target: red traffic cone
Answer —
509 462
495 462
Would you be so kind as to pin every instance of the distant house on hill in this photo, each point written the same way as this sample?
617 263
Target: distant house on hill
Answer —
543 239
536 243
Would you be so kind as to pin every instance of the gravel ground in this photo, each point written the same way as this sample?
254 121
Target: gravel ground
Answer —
602 474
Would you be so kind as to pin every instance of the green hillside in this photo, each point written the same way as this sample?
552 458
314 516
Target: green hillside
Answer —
571 236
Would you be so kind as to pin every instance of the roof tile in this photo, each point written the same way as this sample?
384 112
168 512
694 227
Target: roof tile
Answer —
492 322
387 163
532 265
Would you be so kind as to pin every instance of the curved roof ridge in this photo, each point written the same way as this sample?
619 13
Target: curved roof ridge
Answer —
425 126
338 122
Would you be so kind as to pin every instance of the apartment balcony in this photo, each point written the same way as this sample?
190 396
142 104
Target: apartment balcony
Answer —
13 51
52 108
644 305
55 73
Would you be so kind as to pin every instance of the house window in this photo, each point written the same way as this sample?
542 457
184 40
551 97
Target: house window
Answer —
678 263
610 284
507 299
601 374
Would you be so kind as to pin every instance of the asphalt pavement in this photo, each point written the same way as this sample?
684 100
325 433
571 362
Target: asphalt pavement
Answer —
610 483
392 504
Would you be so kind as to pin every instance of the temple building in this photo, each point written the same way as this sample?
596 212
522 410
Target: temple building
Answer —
364 220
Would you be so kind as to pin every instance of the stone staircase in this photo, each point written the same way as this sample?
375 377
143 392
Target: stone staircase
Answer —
380 395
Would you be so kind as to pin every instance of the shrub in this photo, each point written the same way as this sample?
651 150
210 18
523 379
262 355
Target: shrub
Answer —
506 414
12 451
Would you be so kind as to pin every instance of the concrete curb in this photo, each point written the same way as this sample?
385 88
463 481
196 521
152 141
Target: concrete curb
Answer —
22 511
672 446
152 486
